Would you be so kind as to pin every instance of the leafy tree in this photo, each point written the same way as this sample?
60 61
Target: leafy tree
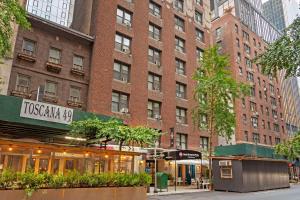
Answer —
289 148
284 53
215 92
10 12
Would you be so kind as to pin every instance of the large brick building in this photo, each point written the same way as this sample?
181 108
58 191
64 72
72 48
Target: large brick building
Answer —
135 60
259 117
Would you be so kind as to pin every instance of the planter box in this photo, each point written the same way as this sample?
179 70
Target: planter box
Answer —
105 193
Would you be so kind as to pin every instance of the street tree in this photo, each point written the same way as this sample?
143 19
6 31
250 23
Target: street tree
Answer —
289 148
10 12
284 53
215 93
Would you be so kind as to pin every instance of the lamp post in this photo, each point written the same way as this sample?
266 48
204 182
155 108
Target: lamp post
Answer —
155 168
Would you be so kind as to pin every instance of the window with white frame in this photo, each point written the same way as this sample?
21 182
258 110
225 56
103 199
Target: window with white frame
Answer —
253 106
180 90
247 49
74 94
54 55
154 56
154 31
154 9
180 67
154 82
250 76
22 83
226 172
124 17
78 62
121 71
28 47
181 141
51 88
248 63
181 114
119 102
154 109
179 24
122 43
179 44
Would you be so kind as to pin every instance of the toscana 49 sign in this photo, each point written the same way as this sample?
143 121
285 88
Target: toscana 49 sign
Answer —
47 112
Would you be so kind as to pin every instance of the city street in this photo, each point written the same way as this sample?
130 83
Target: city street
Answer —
292 193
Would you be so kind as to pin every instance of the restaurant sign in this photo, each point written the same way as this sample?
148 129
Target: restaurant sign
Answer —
46 112
182 155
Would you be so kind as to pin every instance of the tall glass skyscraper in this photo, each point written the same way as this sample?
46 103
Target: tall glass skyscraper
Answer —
58 11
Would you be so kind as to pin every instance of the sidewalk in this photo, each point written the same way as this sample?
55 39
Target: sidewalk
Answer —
179 190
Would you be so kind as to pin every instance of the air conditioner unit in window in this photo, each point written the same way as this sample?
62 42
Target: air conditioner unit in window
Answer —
124 79
265 89
126 50
157 63
255 113
223 163
156 87
275 116
128 24
158 117
124 110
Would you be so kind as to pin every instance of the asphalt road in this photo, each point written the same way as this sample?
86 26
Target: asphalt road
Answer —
292 193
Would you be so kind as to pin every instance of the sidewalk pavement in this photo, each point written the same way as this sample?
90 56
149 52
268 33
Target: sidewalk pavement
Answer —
171 190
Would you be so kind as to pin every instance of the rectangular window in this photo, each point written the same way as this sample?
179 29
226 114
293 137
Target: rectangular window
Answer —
226 171
277 140
78 62
181 141
246 36
252 106
236 28
199 53
120 102
121 72
154 109
238 58
241 71
250 76
154 56
199 35
272 90
204 143
180 90
179 24
254 122
218 33
178 5
252 91
263 124
246 136
74 94
181 114
154 31
248 63
180 67
256 138
265 139
124 17
28 47
247 49
273 101
179 44
154 9
154 82
54 56
122 43
23 83
237 41
199 2
51 88
276 127
198 17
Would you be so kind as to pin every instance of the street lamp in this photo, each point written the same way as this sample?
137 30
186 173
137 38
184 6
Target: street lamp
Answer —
155 156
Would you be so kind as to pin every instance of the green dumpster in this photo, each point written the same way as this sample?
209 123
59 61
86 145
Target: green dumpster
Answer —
162 180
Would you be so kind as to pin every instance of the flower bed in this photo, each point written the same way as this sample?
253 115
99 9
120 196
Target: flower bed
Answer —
116 186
